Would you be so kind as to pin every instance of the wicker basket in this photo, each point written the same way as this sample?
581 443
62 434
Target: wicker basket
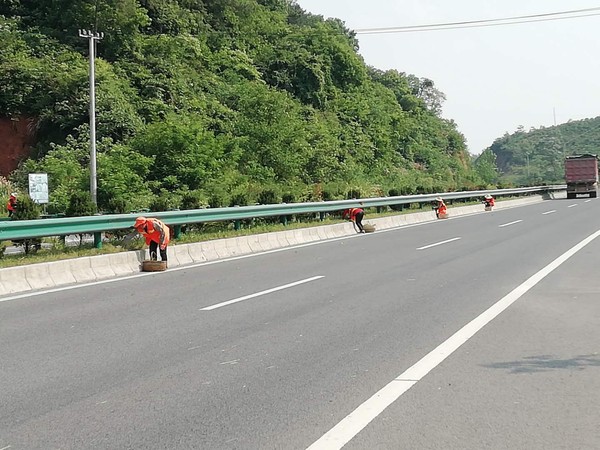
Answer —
154 266
369 228
443 216
488 208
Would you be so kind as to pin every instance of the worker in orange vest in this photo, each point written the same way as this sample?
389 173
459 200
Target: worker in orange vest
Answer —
157 236
439 206
356 216
11 206
488 201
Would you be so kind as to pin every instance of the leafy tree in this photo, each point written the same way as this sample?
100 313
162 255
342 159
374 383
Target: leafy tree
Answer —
485 166
183 152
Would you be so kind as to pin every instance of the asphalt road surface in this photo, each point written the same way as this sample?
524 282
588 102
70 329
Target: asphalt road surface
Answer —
478 332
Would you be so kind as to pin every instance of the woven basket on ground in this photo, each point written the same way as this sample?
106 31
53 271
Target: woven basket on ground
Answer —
369 228
154 266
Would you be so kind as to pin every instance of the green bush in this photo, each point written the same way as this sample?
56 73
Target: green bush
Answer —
27 210
217 201
117 206
81 204
288 198
191 200
353 193
268 197
240 199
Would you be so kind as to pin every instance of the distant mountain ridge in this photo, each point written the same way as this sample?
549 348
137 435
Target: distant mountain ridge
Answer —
537 156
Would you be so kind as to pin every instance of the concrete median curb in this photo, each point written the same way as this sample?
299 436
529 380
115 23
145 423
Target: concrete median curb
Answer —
15 280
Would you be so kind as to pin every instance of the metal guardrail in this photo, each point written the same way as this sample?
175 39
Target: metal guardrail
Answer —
25 229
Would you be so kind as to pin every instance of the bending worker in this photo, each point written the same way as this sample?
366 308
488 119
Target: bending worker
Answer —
157 236
488 201
440 207
11 206
356 216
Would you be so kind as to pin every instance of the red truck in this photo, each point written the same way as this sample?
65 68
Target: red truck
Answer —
581 175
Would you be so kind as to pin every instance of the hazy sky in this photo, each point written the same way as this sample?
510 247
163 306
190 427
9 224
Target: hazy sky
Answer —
495 78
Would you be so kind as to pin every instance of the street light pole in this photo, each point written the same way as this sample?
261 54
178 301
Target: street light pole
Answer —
92 37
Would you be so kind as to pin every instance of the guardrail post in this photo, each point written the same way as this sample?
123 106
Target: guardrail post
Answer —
237 225
98 239
283 220
321 216
176 231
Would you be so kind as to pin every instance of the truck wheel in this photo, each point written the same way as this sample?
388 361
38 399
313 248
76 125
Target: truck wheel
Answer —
570 195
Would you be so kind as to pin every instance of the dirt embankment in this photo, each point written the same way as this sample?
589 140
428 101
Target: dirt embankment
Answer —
16 138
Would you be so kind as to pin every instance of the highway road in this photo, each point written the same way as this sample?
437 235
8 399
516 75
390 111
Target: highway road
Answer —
477 332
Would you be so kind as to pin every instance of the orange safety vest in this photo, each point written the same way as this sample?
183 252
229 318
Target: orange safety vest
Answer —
12 203
156 231
351 213
441 209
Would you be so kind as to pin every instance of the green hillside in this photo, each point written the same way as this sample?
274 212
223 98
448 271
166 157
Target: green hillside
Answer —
219 103
537 156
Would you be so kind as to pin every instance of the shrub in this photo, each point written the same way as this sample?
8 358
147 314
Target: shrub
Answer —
27 210
217 201
240 199
117 206
288 198
191 200
81 204
268 197
353 193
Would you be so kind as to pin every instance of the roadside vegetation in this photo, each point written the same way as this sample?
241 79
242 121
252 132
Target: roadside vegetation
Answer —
217 104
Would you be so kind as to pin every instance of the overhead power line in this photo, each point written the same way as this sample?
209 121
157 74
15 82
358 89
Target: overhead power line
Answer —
562 15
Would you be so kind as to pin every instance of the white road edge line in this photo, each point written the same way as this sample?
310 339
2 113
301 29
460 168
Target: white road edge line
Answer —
257 294
438 243
358 419
549 212
509 223
573 205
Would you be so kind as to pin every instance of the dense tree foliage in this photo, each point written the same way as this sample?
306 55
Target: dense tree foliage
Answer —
537 156
204 102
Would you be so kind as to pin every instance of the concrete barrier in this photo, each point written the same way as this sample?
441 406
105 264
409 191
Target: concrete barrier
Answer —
86 269
13 280
60 272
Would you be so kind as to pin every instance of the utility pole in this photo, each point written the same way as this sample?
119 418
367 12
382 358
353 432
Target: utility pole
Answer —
92 36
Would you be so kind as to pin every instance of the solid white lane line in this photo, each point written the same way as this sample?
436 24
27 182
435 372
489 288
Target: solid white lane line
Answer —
509 223
438 243
549 212
358 419
572 206
257 294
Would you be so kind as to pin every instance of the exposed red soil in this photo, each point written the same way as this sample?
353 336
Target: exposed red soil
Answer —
16 138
